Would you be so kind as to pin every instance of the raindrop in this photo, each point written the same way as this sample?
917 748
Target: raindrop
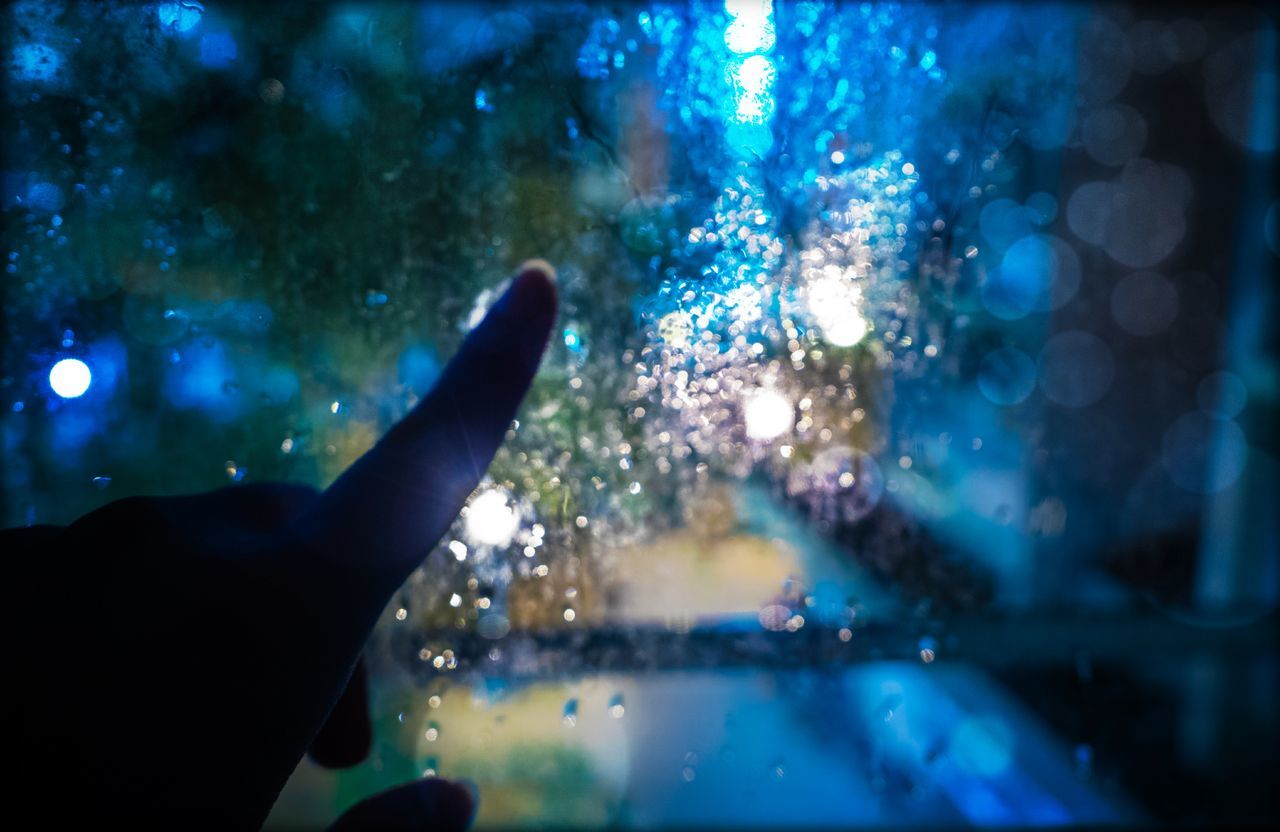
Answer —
1003 221
1076 368
221 221
1222 394
1043 207
1007 376
1114 134
1104 62
1204 453
493 626
1241 91
1144 303
151 321
271 91
1155 47
1039 272
774 617
1088 211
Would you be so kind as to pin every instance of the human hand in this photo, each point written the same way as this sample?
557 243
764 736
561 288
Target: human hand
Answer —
172 658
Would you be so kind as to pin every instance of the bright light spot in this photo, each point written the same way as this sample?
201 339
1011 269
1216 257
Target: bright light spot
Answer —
491 520
481 308
455 600
756 75
833 301
182 16
745 301
70 378
676 329
753 81
35 62
748 8
569 614
750 32
459 549
837 157
768 415
845 331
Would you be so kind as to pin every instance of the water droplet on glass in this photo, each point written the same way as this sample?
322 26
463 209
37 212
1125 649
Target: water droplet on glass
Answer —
570 716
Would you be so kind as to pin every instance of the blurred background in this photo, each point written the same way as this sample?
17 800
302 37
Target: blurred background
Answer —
905 454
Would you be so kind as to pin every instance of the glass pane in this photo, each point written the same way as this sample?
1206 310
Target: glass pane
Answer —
903 451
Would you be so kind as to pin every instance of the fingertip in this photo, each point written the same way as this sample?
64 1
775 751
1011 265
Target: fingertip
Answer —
539 266
441 804
520 323
469 786
458 800
533 292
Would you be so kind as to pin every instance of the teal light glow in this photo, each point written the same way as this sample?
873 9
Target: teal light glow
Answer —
751 27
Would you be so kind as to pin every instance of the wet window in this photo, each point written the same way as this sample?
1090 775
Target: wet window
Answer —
904 453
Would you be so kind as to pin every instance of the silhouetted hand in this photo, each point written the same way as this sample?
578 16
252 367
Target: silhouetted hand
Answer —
171 659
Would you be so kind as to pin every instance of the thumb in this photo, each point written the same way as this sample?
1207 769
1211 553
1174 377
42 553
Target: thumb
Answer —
428 805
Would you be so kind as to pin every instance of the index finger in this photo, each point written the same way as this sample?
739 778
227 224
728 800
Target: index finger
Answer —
395 502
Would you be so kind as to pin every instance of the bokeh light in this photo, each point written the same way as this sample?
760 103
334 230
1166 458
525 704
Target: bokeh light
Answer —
70 378
491 520
1076 368
767 415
